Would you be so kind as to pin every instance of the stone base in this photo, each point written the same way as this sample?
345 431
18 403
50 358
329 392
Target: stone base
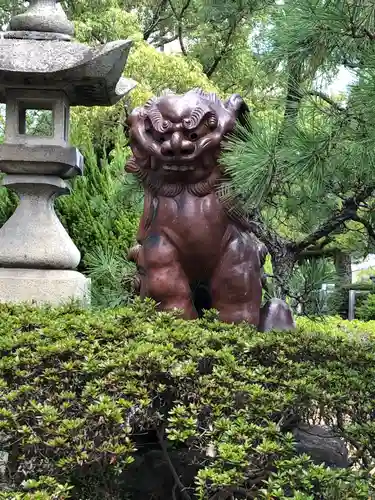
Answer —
43 286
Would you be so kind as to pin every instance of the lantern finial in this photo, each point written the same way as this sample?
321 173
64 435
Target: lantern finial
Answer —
43 19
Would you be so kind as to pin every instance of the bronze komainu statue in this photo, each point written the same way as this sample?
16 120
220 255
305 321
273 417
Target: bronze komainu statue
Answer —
193 253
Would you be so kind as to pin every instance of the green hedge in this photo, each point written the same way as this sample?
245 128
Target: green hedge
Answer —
84 395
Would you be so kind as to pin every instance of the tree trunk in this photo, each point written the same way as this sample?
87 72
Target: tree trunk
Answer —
344 277
282 267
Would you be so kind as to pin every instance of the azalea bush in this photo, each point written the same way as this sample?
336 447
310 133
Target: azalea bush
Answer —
86 395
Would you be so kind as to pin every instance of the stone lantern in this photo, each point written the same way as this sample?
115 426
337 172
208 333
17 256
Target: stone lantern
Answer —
43 70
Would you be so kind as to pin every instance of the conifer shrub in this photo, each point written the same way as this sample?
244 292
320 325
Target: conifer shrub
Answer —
103 209
86 395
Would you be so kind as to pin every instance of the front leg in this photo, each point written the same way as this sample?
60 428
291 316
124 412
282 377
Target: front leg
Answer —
164 279
236 288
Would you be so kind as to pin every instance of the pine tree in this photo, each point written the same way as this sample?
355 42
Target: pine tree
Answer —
306 173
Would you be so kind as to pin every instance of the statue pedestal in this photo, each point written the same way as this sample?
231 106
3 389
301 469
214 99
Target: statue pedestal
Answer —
43 286
37 256
33 237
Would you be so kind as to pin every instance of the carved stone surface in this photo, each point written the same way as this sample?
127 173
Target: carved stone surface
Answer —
34 237
38 54
88 76
194 252
44 286
43 16
64 162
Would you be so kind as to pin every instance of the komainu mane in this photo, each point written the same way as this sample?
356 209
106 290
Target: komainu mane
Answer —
192 253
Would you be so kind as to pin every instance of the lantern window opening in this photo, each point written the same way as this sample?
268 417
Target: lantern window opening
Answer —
36 119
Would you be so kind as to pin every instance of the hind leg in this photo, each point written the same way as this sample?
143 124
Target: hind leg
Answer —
236 288
276 315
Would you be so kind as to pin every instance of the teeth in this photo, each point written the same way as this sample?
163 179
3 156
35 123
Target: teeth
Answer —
181 168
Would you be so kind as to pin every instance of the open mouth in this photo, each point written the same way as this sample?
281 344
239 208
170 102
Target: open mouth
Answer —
178 168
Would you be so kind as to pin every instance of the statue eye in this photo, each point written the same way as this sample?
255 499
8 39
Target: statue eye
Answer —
193 136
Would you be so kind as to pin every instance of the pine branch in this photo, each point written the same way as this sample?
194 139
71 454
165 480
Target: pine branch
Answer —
368 33
337 219
327 99
275 243
294 95
318 253
334 222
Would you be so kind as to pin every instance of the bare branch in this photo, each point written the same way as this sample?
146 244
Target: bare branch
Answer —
180 39
209 71
184 8
176 478
370 229
368 33
164 41
349 64
155 19
179 18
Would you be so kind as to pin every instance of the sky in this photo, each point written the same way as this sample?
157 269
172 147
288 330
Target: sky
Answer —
340 84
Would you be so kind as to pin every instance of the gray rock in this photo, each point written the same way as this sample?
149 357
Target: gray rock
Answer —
276 315
322 445
3 463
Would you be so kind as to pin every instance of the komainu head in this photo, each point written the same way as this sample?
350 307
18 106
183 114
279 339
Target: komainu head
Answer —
178 138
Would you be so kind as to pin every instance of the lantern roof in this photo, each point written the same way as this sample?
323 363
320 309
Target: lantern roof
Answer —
38 54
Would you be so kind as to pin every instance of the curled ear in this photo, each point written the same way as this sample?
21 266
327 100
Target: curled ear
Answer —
238 107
